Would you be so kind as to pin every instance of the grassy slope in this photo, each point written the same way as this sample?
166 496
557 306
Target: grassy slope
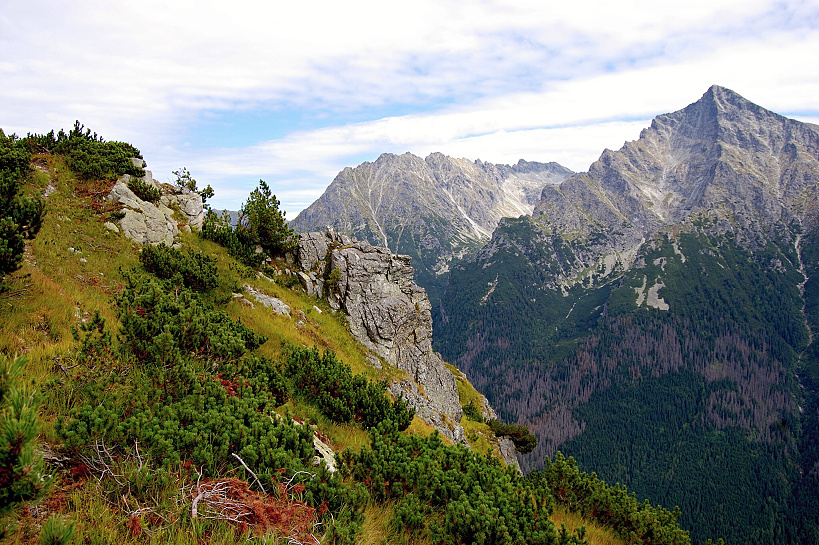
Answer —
58 287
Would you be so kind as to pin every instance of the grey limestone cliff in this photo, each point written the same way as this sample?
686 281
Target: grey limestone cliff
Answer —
388 314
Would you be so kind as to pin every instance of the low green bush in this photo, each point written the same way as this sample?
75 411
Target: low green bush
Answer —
144 190
194 394
23 474
449 494
472 412
611 506
186 414
162 322
329 384
198 270
88 155
20 216
524 441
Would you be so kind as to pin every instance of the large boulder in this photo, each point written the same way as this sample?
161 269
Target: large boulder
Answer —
144 222
149 223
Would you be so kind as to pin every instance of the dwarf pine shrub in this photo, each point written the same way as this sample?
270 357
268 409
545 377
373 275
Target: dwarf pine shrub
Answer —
87 154
144 190
328 383
20 217
611 506
525 442
22 472
449 494
194 396
161 322
198 270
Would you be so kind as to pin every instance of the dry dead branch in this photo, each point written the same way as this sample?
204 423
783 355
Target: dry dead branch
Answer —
231 500
249 471
101 463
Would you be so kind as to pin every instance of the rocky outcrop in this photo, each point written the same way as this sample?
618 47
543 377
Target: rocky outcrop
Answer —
148 223
388 314
276 305
188 202
505 445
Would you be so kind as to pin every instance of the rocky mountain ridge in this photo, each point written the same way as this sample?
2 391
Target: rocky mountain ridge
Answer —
434 209
745 168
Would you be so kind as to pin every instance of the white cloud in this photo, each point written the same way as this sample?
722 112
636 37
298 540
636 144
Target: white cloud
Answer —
493 79
571 122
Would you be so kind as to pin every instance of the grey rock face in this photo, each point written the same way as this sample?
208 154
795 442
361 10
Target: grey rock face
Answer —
276 305
189 203
324 454
144 222
149 223
433 209
724 158
388 314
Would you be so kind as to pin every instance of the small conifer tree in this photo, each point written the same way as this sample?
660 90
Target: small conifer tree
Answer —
261 218
22 472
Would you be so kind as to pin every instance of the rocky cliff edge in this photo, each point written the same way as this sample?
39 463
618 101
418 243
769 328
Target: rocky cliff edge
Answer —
388 314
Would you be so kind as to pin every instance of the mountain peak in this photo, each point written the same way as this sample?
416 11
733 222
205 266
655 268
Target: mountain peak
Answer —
434 209
718 92
725 99
744 166
719 113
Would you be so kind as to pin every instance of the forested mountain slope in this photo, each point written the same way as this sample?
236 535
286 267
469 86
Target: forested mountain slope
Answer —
434 209
654 318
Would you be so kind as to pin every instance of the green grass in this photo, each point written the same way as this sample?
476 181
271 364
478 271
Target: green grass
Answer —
595 533
341 436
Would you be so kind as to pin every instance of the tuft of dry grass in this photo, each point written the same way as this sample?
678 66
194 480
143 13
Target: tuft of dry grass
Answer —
595 533
375 530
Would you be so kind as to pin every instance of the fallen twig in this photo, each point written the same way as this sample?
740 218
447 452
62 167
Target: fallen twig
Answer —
136 448
249 470
98 464
312 476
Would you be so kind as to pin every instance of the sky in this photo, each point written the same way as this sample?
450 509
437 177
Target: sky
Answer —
293 92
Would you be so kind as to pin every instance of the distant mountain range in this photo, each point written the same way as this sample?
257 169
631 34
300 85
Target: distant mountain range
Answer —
435 209
653 317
